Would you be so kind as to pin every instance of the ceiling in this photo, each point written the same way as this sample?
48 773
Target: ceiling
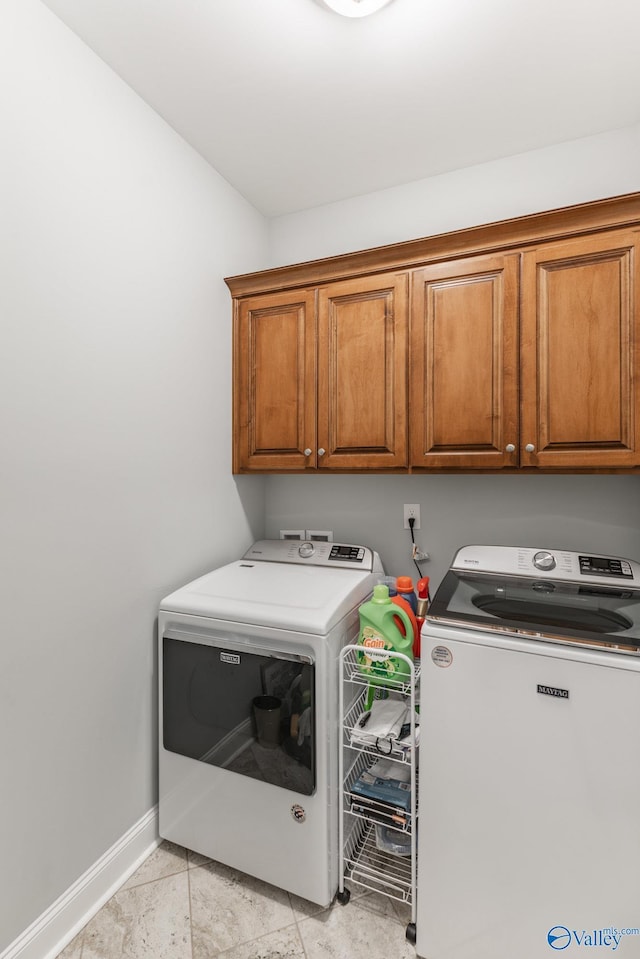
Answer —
296 106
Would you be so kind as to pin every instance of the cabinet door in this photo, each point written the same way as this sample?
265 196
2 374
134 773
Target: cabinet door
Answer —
274 382
580 354
362 377
463 364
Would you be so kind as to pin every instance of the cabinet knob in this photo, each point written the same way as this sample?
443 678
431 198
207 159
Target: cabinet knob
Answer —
307 452
321 451
529 447
510 448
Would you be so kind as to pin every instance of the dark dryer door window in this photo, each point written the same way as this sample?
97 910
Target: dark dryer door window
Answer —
246 710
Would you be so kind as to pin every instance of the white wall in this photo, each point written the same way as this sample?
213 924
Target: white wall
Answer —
580 512
592 513
115 436
575 172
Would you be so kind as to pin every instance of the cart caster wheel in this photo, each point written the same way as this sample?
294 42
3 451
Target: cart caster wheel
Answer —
343 897
411 933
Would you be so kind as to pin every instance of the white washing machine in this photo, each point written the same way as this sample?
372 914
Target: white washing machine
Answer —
248 709
529 825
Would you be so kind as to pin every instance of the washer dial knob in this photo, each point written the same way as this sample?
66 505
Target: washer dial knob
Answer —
544 560
306 549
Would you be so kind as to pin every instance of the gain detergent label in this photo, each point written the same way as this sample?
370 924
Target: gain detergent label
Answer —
375 658
385 629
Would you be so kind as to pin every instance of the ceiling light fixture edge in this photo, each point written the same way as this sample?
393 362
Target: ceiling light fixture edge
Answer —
355 8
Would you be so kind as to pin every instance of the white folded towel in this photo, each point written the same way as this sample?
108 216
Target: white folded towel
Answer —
380 726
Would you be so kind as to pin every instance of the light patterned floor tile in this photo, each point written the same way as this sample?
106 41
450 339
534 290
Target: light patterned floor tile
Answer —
181 905
74 949
150 921
302 908
229 908
353 932
196 858
284 944
371 902
403 912
166 860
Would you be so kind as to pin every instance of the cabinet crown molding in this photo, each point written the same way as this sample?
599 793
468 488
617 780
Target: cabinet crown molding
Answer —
516 233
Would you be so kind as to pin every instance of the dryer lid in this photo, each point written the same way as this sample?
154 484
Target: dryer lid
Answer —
291 596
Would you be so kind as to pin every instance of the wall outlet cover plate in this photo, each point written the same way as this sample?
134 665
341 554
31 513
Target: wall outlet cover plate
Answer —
412 510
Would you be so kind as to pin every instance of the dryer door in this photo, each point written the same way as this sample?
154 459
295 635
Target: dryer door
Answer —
241 708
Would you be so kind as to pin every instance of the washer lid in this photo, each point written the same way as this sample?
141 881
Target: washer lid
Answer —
561 597
306 599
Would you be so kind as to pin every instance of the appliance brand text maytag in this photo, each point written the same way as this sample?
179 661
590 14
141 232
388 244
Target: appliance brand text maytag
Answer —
560 937
553 691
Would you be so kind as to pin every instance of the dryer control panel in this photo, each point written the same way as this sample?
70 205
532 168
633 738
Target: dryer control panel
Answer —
317 553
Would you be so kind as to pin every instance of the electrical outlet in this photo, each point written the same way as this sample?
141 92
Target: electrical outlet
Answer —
320 535
412 510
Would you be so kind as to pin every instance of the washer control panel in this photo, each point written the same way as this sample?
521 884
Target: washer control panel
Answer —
557 564
605 566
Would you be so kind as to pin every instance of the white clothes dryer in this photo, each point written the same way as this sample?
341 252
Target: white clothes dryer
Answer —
248 709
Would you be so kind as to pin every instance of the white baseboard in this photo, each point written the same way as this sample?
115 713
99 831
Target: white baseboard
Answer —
58 925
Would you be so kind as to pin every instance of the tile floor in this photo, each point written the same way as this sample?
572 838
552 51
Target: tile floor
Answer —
179 905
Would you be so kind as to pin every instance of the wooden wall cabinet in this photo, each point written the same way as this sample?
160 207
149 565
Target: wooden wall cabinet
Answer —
320 377
540 373
464 364
512 346
580 354
274 382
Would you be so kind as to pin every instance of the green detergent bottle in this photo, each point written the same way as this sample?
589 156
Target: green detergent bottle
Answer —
380 635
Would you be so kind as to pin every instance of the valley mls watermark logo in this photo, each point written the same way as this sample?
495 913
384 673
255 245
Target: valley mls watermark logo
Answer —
610 937
559 937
